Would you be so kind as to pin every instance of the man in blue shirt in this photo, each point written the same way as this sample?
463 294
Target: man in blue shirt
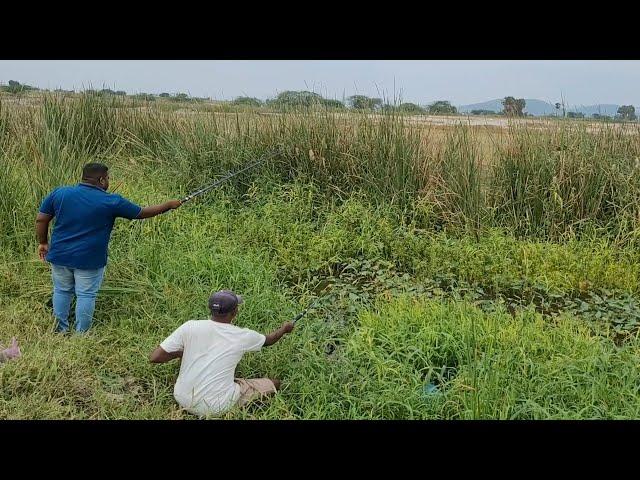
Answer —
85 214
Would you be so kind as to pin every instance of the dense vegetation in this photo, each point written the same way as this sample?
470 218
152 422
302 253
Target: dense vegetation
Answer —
468 273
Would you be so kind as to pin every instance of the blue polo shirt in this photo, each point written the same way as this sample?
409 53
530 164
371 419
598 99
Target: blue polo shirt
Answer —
84 217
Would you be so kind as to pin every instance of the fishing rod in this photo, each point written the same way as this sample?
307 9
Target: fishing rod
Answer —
231 175
300 315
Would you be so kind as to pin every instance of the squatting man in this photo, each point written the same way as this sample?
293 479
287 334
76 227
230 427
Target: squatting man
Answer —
210 351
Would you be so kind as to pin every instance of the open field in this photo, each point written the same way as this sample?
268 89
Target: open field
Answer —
501 266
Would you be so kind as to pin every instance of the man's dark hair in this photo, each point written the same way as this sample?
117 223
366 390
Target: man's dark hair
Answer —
94 170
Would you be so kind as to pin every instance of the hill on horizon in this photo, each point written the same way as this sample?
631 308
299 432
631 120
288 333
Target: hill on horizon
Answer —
539 107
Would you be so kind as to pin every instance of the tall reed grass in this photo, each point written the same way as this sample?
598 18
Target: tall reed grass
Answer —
549 183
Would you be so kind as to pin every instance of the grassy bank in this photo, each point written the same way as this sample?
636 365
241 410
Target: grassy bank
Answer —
507 278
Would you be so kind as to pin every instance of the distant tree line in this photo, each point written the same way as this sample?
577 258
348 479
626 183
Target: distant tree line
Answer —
514 107
16 87
306 99
624 113
482 112
105 92
511 106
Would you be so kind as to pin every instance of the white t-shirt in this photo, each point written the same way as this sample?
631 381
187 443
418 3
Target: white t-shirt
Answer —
211 351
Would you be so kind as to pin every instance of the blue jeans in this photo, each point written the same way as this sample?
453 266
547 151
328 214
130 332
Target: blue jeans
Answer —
85 284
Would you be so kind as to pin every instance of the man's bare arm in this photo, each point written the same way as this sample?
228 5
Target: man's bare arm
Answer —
42 233
153 210
273 337
160 356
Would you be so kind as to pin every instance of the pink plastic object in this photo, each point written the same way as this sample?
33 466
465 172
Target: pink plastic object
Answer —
13 351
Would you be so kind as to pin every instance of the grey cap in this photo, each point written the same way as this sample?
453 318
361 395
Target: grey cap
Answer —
224 301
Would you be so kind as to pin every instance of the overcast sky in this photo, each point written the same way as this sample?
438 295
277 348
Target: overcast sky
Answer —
581 82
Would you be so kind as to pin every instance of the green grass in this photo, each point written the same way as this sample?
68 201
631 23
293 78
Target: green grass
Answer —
393 231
